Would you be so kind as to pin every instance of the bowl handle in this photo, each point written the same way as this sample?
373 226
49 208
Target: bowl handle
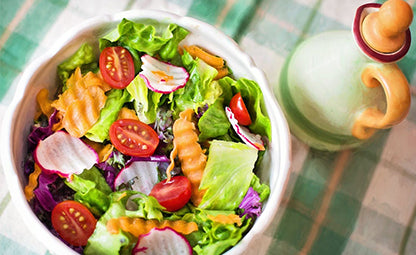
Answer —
396 89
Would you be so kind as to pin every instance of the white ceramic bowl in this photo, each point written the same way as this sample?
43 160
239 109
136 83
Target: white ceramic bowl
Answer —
41 73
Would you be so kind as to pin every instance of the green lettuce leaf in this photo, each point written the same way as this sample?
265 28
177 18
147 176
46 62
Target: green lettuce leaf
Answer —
150 38
84 58
227 175
214 122
91 190
116 98
146 102
212 237
200 89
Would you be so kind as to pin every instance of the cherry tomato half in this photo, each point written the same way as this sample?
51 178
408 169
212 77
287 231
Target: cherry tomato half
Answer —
73 222
117 66
172 195
239 109
133 137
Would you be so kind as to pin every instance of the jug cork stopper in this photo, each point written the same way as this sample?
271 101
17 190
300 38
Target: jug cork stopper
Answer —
385 29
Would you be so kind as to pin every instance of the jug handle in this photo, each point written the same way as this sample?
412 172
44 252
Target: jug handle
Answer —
396 89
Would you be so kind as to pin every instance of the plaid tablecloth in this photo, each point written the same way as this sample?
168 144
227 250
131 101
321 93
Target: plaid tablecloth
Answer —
360 201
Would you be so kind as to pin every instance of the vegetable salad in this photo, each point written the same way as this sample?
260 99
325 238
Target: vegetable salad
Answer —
153 145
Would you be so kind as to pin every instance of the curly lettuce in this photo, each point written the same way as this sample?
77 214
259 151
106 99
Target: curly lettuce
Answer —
153 38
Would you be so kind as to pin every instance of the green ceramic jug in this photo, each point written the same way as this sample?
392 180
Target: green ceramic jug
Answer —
339 87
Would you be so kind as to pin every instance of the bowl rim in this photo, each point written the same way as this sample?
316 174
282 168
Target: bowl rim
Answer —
281 131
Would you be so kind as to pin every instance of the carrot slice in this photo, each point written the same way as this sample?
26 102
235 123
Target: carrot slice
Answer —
139 226
44 103
226 219
103 151
189 152
126 113
33 183
210 59
80 105
222 72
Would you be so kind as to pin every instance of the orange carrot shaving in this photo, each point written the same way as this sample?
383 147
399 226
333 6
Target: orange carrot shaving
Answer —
190 154
81 103
92 79
222 72
44 103
139 226
33 183
104 151
126 113
226 219
172 157
210 59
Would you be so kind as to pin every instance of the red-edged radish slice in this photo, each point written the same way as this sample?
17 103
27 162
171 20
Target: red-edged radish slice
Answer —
64 154
140 175
253 140
162 77
162 241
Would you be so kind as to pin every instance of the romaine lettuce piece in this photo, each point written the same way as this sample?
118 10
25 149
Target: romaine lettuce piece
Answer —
91 190
214 122
146 102
227 175
213 237
116 98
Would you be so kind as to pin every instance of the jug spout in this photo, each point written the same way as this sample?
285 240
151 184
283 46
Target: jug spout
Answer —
385 30
382 31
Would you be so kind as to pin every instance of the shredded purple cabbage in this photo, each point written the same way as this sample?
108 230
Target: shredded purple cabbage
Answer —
163 125
109 173
39 133
201 110
43 193
251 205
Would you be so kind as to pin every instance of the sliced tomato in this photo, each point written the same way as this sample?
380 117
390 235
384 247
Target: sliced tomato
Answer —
133 137
238 107
172 195
117 66
73 222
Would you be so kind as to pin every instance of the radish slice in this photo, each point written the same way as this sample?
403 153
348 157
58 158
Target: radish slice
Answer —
162 77
140 175
64 154
162 241
252 140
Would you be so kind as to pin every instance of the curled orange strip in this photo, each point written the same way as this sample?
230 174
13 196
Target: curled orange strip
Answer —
226 219
33 183
190 153
139 226
81 103
126 113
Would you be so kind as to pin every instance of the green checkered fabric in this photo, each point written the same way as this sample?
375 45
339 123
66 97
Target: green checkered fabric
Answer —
359 201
